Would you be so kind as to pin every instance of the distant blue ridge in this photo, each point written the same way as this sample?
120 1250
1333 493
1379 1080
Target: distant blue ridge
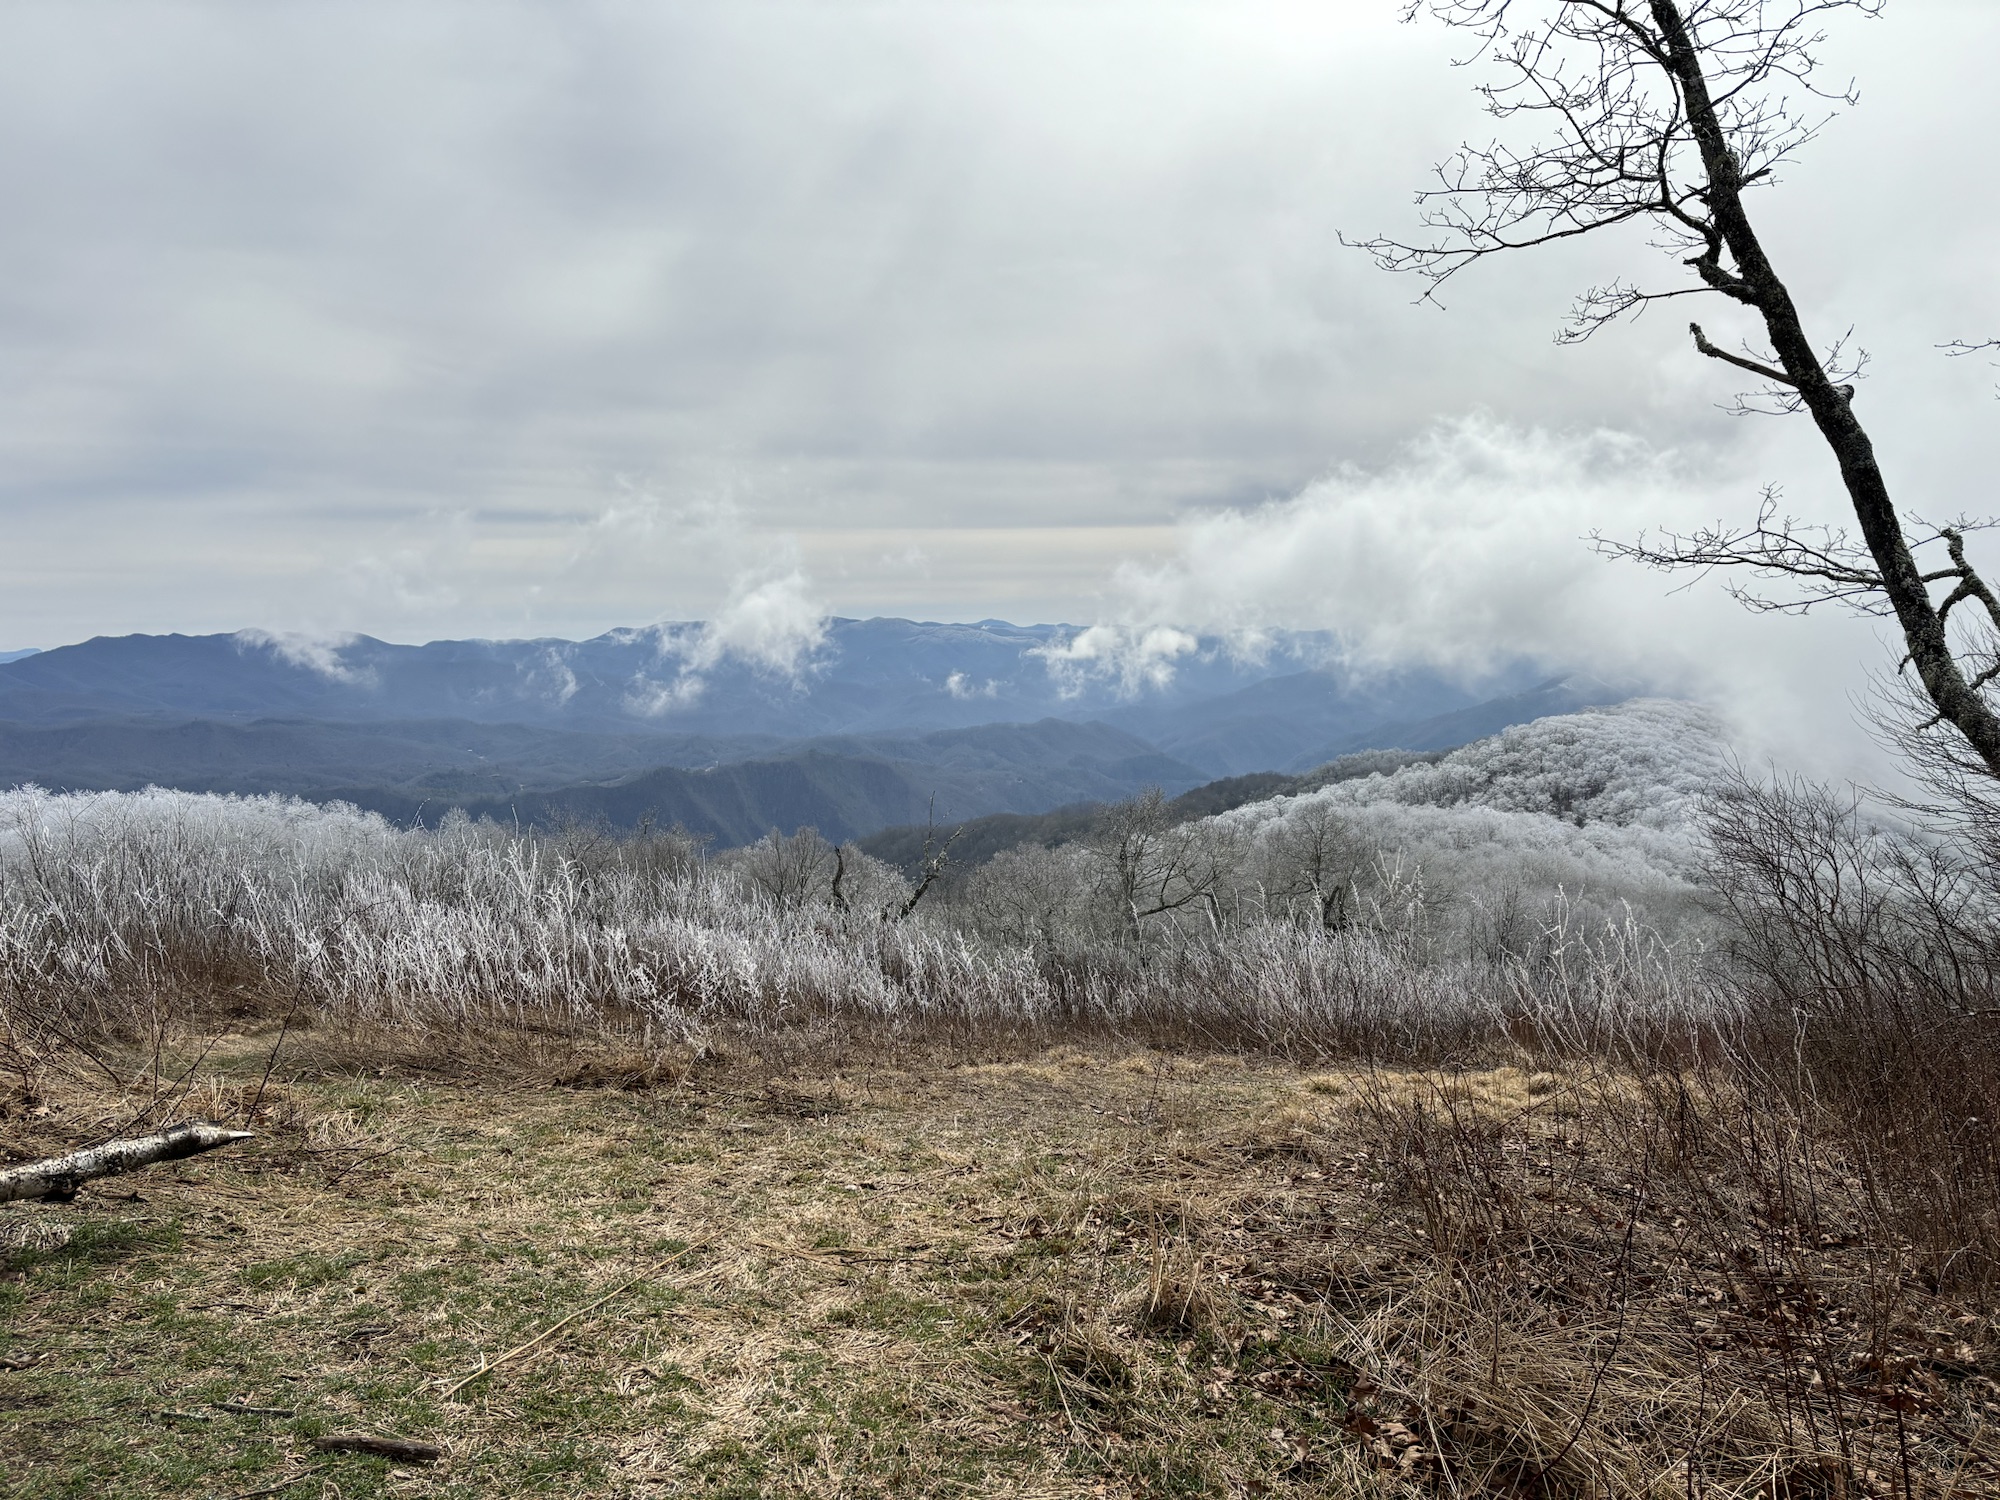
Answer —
643 723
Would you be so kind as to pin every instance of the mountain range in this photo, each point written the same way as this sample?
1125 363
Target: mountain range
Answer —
859 731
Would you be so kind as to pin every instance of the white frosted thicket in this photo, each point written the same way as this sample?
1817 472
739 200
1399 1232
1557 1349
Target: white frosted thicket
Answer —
161 892
1647 763
1579 830
1601 808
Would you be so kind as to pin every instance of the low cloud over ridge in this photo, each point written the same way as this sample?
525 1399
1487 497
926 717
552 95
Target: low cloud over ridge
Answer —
1471 549
773 625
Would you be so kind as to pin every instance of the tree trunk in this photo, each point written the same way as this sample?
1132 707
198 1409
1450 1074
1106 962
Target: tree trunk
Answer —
59 1177
1832 407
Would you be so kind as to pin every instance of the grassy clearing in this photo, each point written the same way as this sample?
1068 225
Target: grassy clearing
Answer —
1075 1275
880 1284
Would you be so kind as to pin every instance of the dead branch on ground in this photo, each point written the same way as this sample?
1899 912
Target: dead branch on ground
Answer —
59 1177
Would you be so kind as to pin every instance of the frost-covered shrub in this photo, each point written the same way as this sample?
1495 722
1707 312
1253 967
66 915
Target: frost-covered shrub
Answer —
1648 762
1435 902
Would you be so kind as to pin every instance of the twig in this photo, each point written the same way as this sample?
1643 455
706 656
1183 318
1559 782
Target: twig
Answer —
1069 1417
181 1085
239 1409
337 1177
271 1062
843 1252
1624 1311
487 1366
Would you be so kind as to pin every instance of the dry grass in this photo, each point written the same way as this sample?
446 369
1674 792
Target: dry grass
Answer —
858 1271
1070 1275
1662 1287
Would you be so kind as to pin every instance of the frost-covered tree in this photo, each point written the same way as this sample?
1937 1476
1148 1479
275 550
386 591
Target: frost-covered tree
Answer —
1036 898
802 869
793 869
1154 867
1317 859
1594 812
1669 115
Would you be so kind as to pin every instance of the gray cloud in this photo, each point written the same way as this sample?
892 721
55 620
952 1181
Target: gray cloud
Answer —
399 317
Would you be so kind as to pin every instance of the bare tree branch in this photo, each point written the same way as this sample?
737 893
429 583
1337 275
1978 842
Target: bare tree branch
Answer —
1668 113
1625 144
1959 348
936 859
1701 343
1830 569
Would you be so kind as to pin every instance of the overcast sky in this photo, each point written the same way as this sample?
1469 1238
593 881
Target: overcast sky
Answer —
430 319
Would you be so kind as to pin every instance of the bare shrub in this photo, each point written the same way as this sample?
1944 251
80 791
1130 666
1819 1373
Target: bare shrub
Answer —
1663 1285
1762 1265
1868 955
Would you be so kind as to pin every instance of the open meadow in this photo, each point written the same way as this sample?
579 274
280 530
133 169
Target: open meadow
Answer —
1074 1274
955 748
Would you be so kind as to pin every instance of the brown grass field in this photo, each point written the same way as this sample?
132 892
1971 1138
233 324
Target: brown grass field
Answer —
1071 1274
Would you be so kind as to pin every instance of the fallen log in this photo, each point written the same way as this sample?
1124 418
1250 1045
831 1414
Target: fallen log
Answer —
404 1449
60 1176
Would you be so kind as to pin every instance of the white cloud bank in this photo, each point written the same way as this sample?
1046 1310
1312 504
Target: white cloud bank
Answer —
773 624
319 654
1470 551
1138 653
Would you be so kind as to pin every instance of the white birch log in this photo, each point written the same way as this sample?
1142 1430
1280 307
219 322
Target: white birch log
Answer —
60 1176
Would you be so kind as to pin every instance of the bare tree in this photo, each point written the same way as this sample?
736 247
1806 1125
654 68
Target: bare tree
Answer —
931 864
1666 113
838 897
1317 856
1153 865
794 870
